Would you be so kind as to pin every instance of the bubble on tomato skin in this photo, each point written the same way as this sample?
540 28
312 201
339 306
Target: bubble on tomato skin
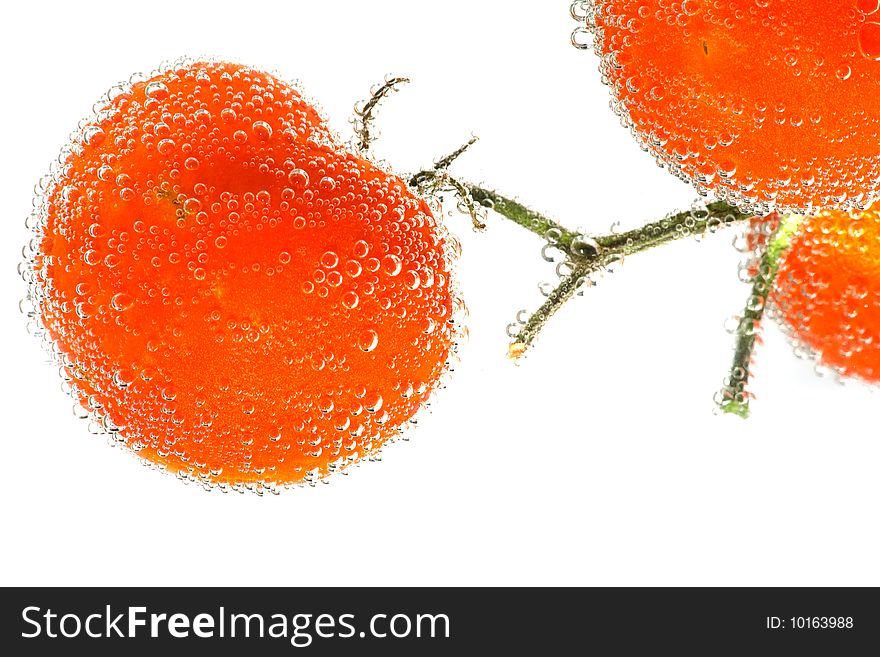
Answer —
122 301
391 265
156 89
361 249
105 173
350 300
93 135
153 233
298 178
262 130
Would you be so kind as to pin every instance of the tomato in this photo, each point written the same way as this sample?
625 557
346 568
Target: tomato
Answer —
769 104
234 295
827 291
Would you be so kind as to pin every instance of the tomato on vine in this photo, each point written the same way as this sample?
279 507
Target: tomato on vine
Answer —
768 104
231 292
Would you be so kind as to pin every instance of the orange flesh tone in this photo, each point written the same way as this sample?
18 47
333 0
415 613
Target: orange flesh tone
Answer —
246 301
762 101
828 290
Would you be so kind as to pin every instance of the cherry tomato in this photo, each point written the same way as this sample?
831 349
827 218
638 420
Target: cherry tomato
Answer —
827 291
234 295
766 103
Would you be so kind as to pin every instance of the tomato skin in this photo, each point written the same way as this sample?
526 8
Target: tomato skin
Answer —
827 291
237 297
770 104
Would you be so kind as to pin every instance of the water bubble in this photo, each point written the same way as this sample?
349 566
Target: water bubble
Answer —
298 178
361 249
350 300
70 193
368 340
353 268
124 378
412 280
584 246
156 90
373 402
121 301
392 265
262 130
869 40
93 135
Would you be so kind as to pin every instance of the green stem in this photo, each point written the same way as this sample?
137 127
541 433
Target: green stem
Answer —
566 289
587 255
683 224
734 396
520 214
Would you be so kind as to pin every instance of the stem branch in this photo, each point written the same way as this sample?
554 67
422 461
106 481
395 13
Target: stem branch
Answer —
589 254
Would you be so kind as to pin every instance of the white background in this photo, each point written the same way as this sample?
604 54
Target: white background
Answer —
598 460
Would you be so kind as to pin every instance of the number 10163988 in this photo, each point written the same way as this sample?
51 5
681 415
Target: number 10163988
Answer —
810 623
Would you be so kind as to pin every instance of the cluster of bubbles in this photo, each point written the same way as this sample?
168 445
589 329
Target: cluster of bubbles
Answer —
227 290
770 105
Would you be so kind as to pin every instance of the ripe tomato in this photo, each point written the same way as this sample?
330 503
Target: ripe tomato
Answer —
827 291
767 103
233 294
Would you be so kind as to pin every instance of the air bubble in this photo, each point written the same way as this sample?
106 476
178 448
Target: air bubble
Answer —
121 301
156 90
262 130
392 265
93 135
368 340
298 178
869 40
